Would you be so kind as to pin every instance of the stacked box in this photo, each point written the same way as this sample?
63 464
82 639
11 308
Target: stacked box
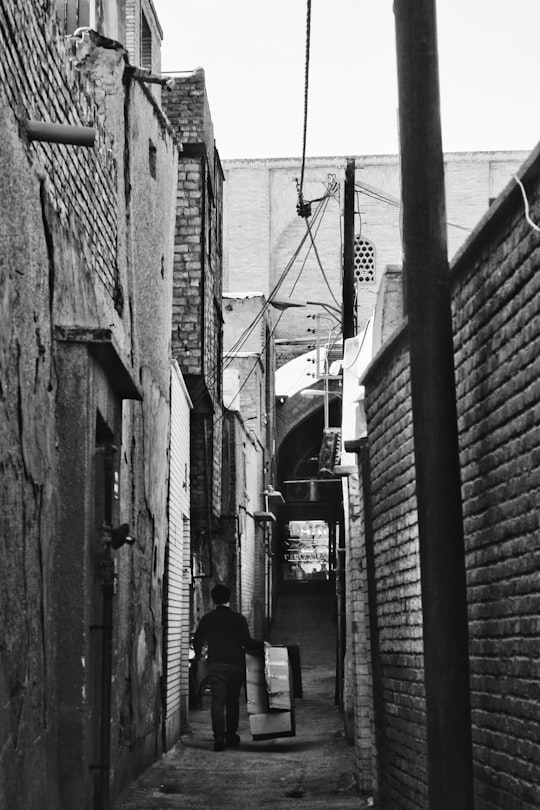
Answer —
270 694
256 695
278 676
296 670
271 725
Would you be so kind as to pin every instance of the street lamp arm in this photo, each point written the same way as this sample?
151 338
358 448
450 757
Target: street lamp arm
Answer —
327 307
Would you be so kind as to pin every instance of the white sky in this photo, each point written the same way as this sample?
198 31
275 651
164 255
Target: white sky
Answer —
253 54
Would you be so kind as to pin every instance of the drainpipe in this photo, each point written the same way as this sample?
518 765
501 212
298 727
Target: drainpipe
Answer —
208 462
433 393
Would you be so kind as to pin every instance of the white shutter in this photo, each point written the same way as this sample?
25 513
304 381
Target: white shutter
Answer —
177 596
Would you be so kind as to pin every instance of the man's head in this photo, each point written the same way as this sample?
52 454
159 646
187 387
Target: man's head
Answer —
220 594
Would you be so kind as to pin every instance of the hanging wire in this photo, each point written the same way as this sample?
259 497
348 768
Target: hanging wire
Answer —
219 366
303 210
324 206
381 196
320 212
252 369
320 264
357 355
526 204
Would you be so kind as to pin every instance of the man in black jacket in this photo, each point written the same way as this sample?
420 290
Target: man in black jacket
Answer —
228 638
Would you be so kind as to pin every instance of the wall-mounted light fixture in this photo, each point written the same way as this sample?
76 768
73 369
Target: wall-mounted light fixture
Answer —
269 494
291 303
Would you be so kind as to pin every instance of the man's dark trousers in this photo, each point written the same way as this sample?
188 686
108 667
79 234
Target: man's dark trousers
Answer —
225 681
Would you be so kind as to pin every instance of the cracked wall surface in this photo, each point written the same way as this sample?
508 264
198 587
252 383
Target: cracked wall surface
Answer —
86 246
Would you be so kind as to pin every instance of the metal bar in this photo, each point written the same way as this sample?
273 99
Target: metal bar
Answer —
348 319
60 133
438 486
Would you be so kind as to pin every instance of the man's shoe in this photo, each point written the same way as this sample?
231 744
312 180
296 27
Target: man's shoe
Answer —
233 740
219 744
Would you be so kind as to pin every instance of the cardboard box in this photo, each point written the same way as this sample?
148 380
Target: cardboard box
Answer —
296 669
272 725
256 695
278 675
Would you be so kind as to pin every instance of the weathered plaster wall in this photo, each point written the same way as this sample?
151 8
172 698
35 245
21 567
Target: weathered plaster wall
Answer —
27 536
149 211
73 243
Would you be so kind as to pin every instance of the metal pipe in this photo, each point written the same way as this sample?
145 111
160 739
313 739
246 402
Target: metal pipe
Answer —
348 305
60 133
146 76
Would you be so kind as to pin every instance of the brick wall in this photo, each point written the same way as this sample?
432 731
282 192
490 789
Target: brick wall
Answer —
496 305
45 77
358 689
497 341
397 583
197 342
143 51
187 288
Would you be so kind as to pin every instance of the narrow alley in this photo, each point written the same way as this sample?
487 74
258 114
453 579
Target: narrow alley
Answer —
311 379
314 768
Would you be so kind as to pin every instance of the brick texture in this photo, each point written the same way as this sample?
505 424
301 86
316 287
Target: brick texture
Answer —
397 578
497 343
197 328
496 306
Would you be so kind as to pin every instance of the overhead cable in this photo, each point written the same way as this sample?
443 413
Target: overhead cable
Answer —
304 211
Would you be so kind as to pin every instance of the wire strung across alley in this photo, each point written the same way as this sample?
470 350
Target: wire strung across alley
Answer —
382 196
260 315
244 337
306 99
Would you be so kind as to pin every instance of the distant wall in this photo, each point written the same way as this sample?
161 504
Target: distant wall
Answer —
264 234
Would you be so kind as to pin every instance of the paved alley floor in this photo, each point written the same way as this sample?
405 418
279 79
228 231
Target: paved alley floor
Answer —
312 770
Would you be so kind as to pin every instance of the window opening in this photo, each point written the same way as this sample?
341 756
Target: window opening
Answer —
146 43
305 550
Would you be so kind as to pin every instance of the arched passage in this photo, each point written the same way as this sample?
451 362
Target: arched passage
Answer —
311 514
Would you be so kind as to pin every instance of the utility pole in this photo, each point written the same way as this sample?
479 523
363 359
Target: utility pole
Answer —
348 313
438 486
